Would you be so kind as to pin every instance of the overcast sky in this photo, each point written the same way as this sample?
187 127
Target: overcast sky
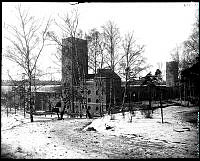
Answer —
159 26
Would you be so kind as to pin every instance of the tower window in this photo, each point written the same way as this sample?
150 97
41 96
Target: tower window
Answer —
89 99
97 100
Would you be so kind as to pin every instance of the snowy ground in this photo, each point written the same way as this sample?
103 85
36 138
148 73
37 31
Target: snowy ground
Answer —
48 137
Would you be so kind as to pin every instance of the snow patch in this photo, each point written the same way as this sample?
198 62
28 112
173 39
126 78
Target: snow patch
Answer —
136 125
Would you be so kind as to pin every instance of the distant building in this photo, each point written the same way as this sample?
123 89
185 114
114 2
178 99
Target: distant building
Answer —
99 94
171 73
101 91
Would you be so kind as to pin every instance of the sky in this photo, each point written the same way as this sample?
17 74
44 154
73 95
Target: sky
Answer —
159 26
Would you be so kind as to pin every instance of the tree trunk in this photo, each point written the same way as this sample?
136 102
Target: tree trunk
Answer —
80 104
102 107
138 96
190 95
14 101
30 100
63 111
24 104
101 94
7 107
161 105
125 91
110 104
150 98
129 102
184 93
180 92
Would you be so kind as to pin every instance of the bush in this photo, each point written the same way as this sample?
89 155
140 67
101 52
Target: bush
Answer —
146 113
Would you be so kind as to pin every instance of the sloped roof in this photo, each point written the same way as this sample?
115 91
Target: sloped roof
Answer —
107 73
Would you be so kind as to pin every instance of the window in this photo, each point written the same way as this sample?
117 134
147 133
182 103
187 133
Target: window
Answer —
89 99
97 108
97 100
97 92
89 107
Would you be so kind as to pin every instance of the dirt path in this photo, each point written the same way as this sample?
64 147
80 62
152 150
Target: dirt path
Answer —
67 139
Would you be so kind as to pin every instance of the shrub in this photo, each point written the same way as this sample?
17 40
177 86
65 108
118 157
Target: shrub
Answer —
146 113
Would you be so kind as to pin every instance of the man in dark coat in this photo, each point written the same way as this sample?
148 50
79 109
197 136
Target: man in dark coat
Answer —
57 107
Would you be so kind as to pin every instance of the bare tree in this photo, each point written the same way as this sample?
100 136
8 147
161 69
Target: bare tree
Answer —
12 94
27 41
191 46
158 81
111 38
57 56
151 81
186 53
132 61
96 47
191 53
68 24
177 56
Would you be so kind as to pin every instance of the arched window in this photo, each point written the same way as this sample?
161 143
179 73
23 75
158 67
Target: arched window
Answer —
97 108
97 92
97 100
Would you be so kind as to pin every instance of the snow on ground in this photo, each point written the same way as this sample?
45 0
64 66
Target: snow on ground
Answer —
17 119
173 130
50 138
29 140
